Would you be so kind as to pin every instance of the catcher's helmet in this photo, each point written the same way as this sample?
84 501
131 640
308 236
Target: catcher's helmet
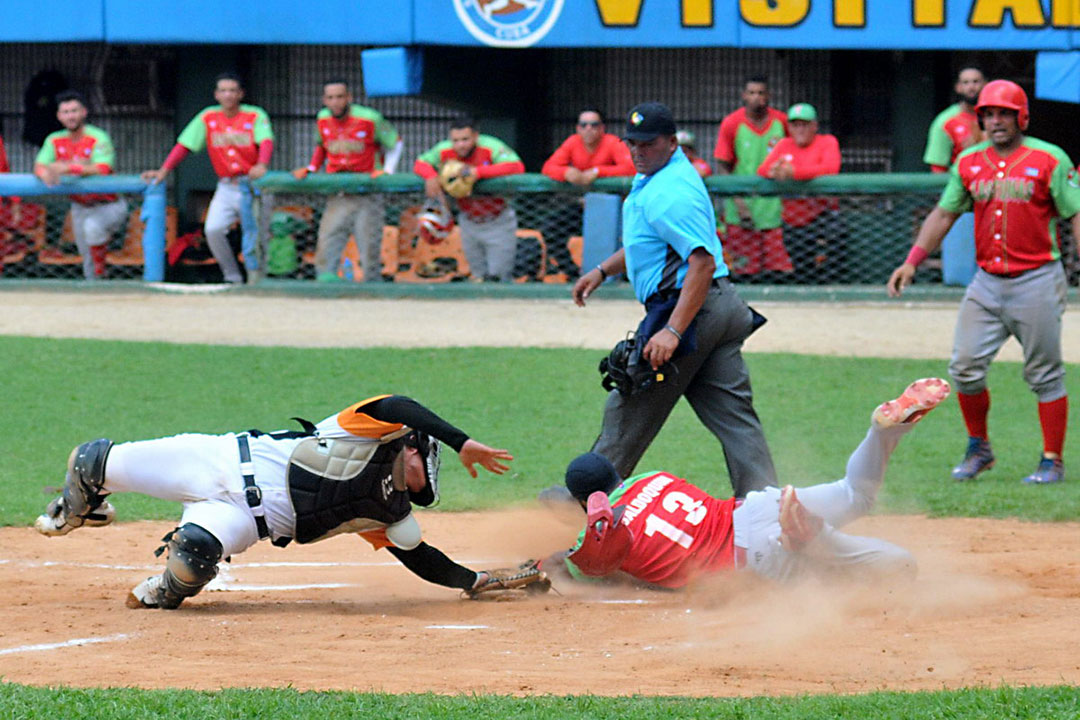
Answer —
434 223
1006 94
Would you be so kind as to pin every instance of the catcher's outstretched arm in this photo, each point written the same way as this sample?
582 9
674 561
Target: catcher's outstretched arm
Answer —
433 565
404 410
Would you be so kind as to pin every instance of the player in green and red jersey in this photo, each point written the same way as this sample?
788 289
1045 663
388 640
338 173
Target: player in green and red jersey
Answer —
754 239
956 128
239 140
1018 187
81 149
659 529
355 139
488 224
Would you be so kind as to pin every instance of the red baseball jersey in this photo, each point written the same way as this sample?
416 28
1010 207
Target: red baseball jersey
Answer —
356 142
491 157
92 147
611 158
820 157
1017 199
953 131
679 530
231 142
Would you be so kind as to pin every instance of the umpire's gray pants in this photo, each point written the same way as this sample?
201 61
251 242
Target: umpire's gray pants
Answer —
1028 307
716 383
362 215
490 246
756 523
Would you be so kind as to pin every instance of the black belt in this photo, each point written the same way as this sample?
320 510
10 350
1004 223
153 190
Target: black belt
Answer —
663 295
252 493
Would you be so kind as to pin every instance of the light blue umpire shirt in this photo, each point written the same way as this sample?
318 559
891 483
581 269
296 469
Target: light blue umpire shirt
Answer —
666 216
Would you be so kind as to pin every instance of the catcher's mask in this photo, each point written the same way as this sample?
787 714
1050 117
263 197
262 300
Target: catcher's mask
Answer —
435 223
623 370
428 448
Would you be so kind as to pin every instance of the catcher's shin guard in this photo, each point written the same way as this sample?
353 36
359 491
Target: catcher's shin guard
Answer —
86 477
194 553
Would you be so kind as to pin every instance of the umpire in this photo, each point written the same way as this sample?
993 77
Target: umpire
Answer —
694 319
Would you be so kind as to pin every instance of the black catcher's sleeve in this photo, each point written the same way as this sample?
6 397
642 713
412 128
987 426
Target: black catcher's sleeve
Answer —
435 567
400 409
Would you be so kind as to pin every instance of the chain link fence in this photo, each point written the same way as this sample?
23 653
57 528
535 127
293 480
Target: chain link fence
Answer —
837 230
88 229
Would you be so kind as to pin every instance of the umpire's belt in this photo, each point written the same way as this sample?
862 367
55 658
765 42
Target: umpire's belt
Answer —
252 493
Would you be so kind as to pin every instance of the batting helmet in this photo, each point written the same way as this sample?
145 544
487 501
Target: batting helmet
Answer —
434 223
1006 94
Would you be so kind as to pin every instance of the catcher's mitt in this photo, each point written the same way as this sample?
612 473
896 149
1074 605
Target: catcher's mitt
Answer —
454 181
527 577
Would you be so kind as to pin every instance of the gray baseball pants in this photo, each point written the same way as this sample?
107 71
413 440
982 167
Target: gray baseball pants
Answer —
362 215
756 523
1028 307
93 225
715 381
490 246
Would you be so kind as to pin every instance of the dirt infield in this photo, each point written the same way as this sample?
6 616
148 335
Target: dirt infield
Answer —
995 602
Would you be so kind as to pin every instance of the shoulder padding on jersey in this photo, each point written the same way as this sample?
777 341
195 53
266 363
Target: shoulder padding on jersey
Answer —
607 541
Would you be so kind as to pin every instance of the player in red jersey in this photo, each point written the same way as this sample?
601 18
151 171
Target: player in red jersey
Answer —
754 241
688 142
82 149
956 128
239 140
589 153
1018 186
354 139
660 530
488 224
814 232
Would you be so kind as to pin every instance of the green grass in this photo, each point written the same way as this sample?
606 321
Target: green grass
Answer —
542 404
18 701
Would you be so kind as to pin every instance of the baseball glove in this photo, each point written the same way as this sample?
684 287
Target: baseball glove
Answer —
527 577
454 181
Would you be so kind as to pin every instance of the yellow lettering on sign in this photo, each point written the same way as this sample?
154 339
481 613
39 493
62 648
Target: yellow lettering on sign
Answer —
849 13
1065 13
774 13
619 13
697 13
928 13
991 13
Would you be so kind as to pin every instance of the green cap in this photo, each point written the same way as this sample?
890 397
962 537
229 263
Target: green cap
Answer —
802 111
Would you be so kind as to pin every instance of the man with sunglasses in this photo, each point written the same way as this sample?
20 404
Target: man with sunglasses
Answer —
358 471
589 153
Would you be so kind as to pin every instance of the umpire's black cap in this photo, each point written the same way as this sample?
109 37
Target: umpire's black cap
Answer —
590 472
649 120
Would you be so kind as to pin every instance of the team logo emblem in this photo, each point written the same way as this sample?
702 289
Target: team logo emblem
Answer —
636 118
508 23
1031 172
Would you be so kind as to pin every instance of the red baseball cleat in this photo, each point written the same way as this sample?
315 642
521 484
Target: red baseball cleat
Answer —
918 398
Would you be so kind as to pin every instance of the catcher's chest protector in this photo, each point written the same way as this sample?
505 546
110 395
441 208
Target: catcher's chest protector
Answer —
340 486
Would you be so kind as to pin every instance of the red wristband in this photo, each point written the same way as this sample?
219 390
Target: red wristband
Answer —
916 256
75 169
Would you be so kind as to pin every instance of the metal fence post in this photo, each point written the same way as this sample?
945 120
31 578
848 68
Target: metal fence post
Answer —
153 239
